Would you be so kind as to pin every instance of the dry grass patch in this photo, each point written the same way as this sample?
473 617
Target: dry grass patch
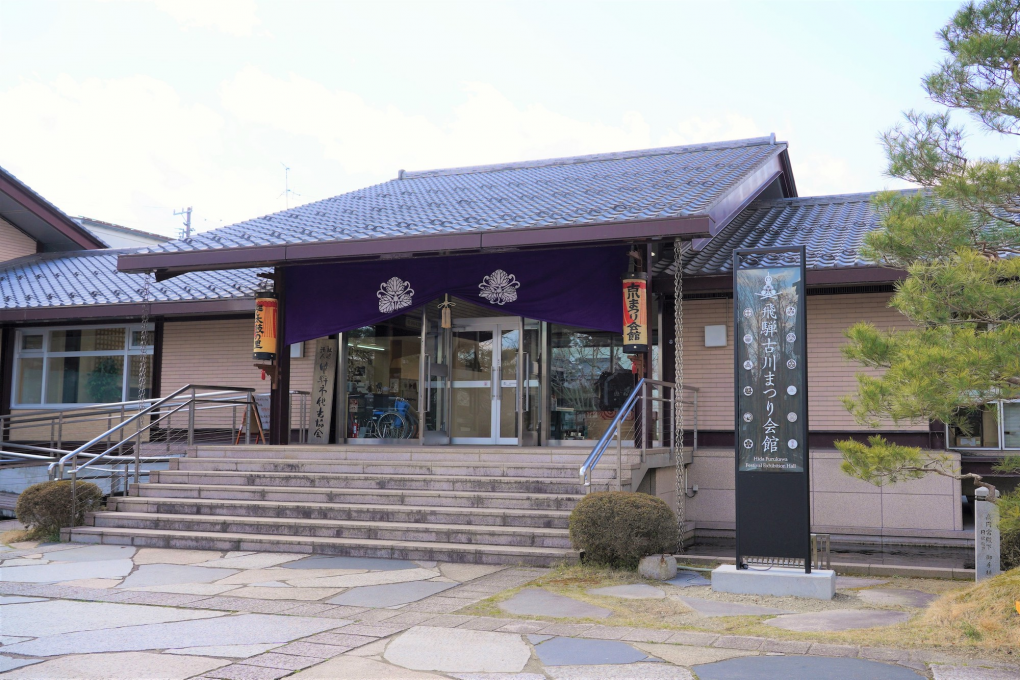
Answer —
921 632
983 615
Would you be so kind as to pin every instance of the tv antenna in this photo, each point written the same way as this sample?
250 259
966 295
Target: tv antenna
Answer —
287 191
186 232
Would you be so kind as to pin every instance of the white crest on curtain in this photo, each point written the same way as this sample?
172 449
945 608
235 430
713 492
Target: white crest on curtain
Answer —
499 287
394 294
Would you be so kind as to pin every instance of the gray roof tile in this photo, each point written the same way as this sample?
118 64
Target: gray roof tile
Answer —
831 227
90 277
639 185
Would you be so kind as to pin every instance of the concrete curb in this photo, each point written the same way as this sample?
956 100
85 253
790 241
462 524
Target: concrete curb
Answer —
854 568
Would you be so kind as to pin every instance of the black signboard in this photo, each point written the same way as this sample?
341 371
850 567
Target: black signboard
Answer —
770 369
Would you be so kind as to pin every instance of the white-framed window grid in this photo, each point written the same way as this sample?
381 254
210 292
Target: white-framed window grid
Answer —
132 347
1013 434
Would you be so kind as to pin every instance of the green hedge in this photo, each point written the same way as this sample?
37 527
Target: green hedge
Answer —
618 528
46 508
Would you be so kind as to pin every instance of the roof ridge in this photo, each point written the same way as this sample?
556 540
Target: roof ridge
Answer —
829 198
591 158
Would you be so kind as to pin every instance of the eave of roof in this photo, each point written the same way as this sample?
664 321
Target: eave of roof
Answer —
37 217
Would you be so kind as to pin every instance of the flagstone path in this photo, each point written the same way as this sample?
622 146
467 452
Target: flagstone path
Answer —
73 611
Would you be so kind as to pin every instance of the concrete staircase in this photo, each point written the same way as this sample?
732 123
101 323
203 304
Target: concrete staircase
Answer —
488 505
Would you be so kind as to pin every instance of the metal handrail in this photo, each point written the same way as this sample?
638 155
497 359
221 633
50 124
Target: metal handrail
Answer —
639 394
144 412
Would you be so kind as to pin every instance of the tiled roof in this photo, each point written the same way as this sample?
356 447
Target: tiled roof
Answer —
90 277
831 227
640 185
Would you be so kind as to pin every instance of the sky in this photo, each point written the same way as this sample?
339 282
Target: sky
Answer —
127 110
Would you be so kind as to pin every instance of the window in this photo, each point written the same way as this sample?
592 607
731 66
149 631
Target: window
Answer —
87 365
993 426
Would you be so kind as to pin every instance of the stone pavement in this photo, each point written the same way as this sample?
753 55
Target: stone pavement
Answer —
73 611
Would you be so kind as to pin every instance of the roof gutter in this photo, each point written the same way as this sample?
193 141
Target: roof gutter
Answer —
841 276
171 264
168 308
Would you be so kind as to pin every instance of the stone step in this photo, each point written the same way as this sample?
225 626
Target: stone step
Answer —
450 499
547 519
319 528
533 485
404 550
329 466
551 454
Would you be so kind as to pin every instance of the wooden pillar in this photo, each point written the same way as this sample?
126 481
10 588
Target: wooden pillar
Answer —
279 398
7 370
156 370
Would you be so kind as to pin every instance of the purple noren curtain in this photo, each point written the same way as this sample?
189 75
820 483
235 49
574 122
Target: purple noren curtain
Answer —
574 287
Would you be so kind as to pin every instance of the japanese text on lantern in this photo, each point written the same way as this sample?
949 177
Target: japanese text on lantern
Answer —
771 427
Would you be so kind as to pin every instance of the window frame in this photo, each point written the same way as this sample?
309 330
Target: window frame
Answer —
45 354
1000 424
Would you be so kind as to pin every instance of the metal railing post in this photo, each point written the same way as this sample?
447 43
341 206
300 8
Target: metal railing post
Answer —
191 419
644 420
60 431
247 419
619 454
74 494
138 455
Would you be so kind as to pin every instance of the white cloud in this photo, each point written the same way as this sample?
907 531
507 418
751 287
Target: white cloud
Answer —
698 130
366 138
124 150
236 17
131 150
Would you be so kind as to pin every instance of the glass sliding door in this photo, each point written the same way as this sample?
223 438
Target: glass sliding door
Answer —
472 368
485 364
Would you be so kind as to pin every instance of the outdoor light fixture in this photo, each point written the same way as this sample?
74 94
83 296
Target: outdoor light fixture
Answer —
265 326
635 313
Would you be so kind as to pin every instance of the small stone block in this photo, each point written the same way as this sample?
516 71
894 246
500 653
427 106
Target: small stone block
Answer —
239 671
647 635
739 642
777 581
882 654
339 639
819 649
284 661
695 639
786 646
485 623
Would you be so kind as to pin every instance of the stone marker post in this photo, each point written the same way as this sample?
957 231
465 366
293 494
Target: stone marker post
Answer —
986 536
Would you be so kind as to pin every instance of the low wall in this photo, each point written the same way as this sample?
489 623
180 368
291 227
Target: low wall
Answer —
926 510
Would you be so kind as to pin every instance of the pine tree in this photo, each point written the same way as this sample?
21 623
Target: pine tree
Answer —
958 238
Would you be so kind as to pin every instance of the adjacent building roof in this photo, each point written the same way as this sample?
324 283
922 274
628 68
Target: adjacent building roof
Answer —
831 227
119 236
40 219
708 181
87 283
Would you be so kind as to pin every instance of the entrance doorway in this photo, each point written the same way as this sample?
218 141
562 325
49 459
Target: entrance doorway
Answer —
493 381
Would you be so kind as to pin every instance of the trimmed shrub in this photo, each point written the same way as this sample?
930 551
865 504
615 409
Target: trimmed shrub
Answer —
46 508
618 528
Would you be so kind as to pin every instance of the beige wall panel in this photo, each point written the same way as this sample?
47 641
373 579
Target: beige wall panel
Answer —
830 376
218 353
14 242
928 507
